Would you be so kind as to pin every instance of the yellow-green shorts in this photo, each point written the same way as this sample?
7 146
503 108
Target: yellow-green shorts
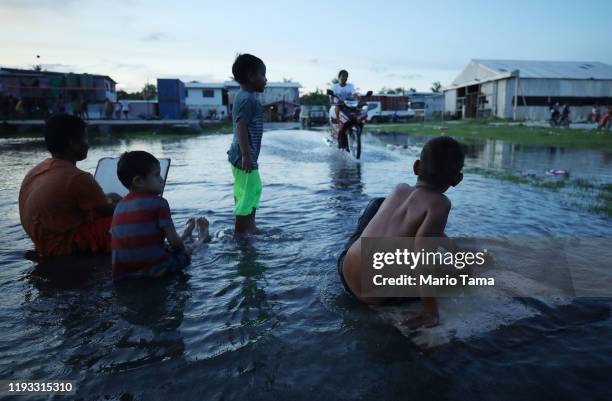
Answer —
247 191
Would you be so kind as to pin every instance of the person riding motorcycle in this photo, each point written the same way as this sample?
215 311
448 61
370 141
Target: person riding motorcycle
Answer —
342 91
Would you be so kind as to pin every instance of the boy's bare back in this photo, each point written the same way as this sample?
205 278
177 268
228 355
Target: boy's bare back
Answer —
417 212
409 211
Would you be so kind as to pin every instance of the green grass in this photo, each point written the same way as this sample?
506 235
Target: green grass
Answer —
518 134
539 182
596 197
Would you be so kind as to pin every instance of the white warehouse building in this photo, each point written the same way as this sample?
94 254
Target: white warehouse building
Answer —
524 90
206 100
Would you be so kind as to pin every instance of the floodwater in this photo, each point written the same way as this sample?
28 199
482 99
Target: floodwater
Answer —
268 319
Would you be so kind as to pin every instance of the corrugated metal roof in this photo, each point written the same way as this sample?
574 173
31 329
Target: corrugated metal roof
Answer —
550 69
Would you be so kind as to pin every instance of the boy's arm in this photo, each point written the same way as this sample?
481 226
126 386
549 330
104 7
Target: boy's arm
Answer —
432 227
89 196
243 141
173 239
167 226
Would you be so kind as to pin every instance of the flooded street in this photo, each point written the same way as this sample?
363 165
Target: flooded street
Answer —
268 318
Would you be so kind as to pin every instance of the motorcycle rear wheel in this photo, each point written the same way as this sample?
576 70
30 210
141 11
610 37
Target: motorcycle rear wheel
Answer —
354 142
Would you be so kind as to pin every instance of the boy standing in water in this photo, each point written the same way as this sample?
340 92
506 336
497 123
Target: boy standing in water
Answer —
409 211
247 114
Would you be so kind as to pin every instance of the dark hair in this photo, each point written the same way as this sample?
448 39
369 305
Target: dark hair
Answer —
343 72
441 159
137 163
244 65
60 129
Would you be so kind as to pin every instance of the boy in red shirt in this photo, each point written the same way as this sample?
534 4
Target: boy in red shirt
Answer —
62 208
142 222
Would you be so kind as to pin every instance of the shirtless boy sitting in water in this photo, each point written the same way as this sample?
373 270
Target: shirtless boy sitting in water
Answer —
409 211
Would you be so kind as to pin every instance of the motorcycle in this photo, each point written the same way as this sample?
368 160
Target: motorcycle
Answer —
347 132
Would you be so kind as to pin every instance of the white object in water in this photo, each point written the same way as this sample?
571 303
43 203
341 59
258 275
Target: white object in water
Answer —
106 175
555 172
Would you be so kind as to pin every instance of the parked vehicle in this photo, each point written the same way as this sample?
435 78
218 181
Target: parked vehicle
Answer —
347 132
382 108
376 113
313 115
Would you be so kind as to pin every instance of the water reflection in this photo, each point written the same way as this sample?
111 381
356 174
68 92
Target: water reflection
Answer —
154 311
346 185
345 175
505 156
251 303
109 327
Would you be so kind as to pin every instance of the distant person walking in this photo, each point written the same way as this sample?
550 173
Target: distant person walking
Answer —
125 108
606 120
108 109
595 114
20 109
84 109
565 113
118 110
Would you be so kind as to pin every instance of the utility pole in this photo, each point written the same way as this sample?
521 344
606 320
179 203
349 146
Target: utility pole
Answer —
517 77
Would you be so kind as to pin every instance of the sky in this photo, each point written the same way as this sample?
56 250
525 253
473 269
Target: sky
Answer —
381 43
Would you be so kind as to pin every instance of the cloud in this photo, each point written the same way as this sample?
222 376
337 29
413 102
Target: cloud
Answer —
378 68
128 66
404 76
154 37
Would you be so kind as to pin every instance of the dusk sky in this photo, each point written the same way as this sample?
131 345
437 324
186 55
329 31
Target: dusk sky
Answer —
381 43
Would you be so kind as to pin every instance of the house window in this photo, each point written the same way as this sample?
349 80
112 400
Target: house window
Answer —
208 93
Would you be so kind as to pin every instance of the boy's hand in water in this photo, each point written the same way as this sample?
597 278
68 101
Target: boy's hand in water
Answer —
421 320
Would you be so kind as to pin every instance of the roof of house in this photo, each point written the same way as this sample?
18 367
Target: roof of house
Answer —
550 69
204 85
36 73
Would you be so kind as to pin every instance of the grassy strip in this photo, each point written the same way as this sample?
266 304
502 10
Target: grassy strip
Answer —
539 182
518 134
599 196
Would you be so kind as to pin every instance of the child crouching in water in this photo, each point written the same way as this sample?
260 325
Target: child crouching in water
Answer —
416 211
142 222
